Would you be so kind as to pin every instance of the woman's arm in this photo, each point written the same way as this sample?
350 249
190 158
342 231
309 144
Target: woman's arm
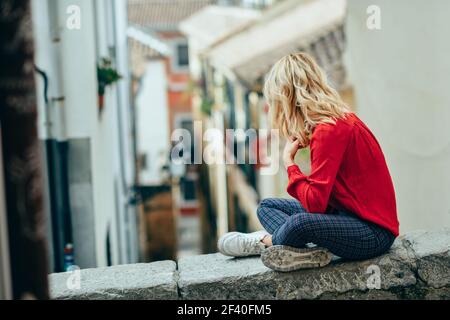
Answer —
328 145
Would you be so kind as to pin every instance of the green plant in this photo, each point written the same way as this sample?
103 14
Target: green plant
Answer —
206 106
106 75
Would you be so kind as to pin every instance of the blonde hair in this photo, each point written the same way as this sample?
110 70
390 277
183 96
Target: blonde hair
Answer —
300 98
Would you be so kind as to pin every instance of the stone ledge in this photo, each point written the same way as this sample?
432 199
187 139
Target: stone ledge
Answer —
417 267
130 282
431 253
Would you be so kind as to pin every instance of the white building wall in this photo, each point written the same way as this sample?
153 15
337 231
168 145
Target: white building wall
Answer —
47 57
112 147
152 121
401 76
71 67
105 158
68 57
195 65
124 117
79 76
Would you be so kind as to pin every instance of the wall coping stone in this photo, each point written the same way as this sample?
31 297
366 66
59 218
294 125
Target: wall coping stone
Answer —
416 267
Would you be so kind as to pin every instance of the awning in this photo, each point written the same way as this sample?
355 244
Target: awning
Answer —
251 53
214 23
148 40
144 46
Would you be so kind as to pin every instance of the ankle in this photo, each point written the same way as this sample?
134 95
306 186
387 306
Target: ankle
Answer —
267 241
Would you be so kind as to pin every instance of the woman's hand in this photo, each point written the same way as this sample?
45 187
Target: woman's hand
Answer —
290 150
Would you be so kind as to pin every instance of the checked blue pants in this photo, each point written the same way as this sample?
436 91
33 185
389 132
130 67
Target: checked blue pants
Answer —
342 233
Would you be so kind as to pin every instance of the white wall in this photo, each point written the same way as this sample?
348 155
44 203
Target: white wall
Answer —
46 27
113 160
71 66
152 121
107 204
124 119
401 75
195 65
78 70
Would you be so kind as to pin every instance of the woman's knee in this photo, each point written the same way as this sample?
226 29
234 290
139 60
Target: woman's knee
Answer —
267 202
303 223
298 230
262 210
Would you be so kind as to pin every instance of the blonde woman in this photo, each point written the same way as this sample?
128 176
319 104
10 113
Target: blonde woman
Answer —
346 206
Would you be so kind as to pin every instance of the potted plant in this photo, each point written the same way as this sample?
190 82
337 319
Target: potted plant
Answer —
106 76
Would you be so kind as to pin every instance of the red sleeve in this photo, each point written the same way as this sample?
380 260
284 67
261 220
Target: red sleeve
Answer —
328 145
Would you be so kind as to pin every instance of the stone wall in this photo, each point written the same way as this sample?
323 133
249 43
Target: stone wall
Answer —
417 267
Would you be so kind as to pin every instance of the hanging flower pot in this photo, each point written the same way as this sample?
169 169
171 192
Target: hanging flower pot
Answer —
106 76
101 101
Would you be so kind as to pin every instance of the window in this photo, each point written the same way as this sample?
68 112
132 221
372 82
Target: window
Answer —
182 55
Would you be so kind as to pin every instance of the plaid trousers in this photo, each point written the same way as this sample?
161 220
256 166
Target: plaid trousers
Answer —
342 233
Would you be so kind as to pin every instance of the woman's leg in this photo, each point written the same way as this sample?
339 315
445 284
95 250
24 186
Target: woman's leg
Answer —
274 212
345 235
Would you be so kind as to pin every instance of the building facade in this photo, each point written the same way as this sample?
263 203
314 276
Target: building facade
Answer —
87 142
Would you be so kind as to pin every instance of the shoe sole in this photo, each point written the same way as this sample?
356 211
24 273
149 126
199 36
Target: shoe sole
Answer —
285 259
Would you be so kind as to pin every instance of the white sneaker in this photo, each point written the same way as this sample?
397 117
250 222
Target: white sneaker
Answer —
236 244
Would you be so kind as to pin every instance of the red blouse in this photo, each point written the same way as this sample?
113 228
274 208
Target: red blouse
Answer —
348 172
